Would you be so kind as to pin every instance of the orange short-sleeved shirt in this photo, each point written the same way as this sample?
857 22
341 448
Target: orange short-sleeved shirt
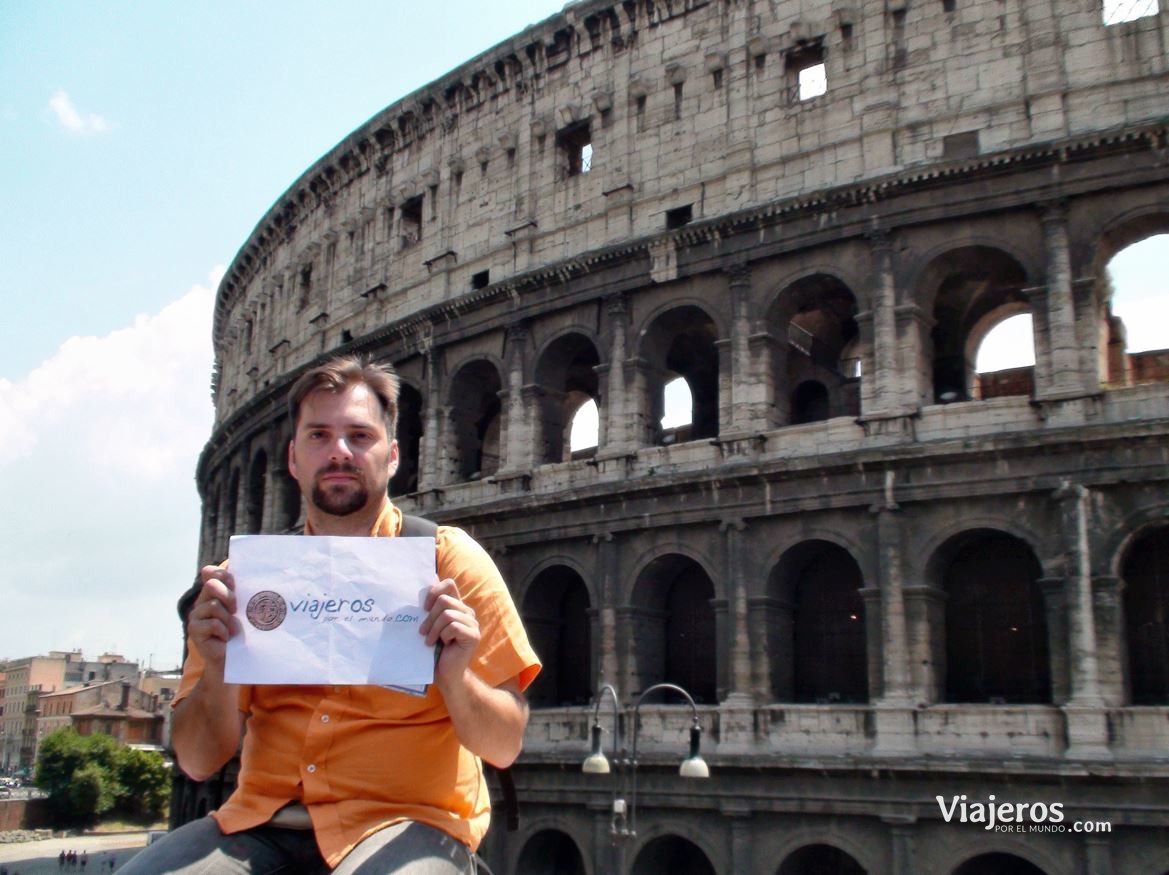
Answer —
363 757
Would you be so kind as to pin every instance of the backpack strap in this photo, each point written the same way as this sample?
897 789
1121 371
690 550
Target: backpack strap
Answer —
418 527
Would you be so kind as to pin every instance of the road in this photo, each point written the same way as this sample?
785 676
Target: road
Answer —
40 858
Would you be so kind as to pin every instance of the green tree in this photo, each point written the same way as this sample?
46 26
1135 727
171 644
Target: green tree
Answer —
145 781
91 794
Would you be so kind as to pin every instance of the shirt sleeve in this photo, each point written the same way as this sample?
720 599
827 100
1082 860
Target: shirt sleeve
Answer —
504 651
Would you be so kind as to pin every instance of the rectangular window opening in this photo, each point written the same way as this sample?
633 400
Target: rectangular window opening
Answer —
807 71
641 113
1120 11
963 145
679 216
949 5
677 101
718 79
481 280
411 221
576 147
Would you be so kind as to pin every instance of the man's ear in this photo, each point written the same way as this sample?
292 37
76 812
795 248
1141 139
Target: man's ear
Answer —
292 460
395 458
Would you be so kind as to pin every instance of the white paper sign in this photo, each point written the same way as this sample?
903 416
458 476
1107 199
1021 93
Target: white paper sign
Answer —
330 610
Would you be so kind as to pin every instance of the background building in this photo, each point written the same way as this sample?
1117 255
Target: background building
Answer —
885 577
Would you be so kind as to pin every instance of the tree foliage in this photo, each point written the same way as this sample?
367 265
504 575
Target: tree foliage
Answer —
88 776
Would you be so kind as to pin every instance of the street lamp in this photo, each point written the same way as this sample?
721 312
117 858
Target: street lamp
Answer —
694 766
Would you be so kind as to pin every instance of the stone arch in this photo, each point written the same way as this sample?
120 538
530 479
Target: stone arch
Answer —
673 613
818 858
807 837
816 626
550 852
1012 862
409 437
476 419
931 547
813 319
967 289
859 552
671 853
1144 572
1097 243
556 609
569 562
680 340
565 379
996 637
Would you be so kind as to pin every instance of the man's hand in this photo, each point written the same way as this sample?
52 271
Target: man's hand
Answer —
489 721
211 621
207 723
453 622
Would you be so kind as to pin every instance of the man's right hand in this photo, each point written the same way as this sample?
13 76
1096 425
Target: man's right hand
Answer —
212 619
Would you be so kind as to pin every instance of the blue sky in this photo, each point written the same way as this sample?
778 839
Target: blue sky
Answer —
141 143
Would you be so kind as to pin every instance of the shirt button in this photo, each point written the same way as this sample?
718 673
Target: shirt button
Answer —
312 767
324 718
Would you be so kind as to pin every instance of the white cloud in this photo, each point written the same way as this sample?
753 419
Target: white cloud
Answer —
98 447
73 121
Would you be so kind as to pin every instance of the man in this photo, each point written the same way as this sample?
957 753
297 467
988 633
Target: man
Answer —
352 778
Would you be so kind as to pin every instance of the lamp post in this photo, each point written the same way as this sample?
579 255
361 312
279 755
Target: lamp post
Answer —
623 816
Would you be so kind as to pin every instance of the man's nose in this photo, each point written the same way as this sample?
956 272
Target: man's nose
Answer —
340 449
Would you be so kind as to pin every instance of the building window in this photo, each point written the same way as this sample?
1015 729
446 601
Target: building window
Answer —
807 72
1120 11
411 221
576 149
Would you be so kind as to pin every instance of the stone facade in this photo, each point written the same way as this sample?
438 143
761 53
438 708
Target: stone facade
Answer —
884 577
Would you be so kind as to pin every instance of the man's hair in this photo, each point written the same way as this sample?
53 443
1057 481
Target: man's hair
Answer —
338 374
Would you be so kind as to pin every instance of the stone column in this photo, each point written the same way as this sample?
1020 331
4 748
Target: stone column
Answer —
429 447
1107 592
1086 716
894 710
1055 611
1098 855
915 368
874 652
742 848
517 447
609 669
864 324
744 384
901 831
740 686
885 392
614 425
723 630
925 618
760 611
1065 376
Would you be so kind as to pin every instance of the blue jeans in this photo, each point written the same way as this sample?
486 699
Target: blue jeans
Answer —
199 848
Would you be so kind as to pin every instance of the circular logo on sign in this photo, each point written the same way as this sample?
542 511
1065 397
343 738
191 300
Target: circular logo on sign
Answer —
266 610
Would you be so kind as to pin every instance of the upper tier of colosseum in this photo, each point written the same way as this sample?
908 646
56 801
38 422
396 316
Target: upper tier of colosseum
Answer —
645 126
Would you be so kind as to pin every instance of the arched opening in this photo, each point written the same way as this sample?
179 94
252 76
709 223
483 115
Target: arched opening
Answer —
816 629
289 495
820 860
1137 329
550 852
567 379
475 420
1145 572
998 864
675 640
810 402
996 626
973 288
1005 358
232 501
677 412
409 437
681 343
584 430
817 375
556 615
671 855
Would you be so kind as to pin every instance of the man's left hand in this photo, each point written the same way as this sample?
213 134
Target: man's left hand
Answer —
452 621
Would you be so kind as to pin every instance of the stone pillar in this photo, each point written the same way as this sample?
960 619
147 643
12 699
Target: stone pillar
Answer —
768 409
742 848
901 832
874 652
1098 855
914 347
641 412
886 400
893 712
726 381
1055 611
740 686
758 624
1086 716
615 433
430 467
723 631
1091 316
1111 659
1065 374
864 323
745 385
515 437
925 618
609 670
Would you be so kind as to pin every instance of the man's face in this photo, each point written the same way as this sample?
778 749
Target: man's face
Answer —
341 456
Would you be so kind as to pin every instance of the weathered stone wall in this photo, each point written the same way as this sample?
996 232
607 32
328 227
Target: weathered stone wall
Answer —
829 532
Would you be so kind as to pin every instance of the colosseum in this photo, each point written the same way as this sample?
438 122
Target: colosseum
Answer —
899 590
